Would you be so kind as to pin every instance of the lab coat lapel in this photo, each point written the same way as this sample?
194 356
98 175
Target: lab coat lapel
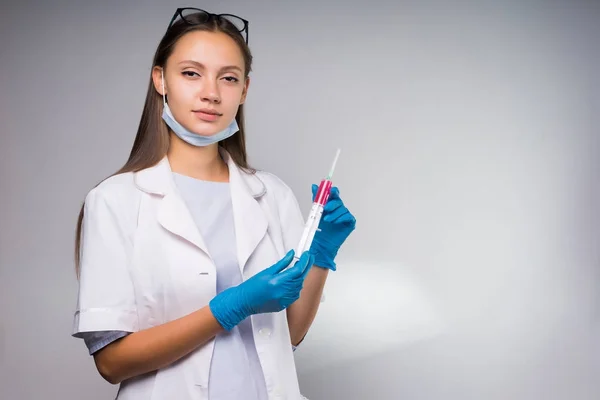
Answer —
173 214
248 215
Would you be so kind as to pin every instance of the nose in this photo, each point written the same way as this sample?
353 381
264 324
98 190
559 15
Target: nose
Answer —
210 92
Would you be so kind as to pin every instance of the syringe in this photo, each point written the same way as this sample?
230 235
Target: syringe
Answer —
316 211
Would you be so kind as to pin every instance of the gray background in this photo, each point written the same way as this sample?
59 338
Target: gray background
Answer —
470 150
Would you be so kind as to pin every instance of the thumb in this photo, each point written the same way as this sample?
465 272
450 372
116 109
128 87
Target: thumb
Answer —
281 264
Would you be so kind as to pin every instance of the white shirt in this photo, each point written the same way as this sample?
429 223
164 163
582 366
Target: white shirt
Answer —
235 370
145 263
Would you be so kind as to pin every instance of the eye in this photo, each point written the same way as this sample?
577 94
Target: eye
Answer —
189 73
231 79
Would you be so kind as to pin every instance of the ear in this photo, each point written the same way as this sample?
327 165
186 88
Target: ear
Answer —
245 91
157 80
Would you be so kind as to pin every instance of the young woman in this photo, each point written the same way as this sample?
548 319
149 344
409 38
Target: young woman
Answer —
187 285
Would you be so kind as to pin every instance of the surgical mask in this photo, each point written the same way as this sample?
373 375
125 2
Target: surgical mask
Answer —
191 137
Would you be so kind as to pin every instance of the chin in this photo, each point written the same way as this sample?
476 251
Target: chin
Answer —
206 128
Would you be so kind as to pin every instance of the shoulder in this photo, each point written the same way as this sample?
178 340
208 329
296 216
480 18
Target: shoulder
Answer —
280 192
286 205
116 188
118 193
274 184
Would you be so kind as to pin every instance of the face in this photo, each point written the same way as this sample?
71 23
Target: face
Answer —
204 81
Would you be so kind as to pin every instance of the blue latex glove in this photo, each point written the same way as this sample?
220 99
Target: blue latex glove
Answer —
271 290
337 223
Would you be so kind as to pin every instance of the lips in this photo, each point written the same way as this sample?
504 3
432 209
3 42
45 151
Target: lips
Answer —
208 111
207 114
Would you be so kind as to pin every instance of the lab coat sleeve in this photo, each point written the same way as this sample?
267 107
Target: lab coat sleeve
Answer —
106 300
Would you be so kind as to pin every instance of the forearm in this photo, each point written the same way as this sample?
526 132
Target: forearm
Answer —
302 312
157 347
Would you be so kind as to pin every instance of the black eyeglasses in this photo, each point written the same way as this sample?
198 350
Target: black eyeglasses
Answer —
194 16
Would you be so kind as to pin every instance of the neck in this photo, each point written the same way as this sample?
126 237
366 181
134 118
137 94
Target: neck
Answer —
203 163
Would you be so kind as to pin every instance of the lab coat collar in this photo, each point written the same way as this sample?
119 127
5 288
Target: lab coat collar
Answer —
246 189
159 179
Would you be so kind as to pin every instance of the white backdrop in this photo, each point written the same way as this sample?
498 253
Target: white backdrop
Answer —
470 154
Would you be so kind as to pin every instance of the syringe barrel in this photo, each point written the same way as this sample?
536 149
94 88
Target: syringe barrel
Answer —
314 217
310 227
323 192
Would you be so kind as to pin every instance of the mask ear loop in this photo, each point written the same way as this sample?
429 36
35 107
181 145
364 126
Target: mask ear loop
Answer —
162 81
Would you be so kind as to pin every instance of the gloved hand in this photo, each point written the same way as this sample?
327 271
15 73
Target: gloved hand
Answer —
337 223
271 290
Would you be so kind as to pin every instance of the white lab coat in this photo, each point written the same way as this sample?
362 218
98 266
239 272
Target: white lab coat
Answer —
144 263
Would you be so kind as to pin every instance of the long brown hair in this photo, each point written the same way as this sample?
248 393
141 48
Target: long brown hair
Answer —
152 139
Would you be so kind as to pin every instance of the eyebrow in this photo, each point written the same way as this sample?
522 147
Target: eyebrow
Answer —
222 69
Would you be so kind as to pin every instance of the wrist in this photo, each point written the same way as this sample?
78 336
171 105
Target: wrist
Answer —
324 255
222 308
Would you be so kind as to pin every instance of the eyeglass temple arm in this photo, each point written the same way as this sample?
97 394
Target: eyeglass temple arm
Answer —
178 11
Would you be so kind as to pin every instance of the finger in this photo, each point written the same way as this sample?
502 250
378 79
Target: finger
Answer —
334 193
306 263
296 288
282 264
346 219
332 205
298 269
309 266
332 216
294 297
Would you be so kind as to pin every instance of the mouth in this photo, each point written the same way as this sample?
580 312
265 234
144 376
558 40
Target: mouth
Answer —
207 114
208 111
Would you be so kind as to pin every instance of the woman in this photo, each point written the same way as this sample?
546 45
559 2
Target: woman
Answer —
182 255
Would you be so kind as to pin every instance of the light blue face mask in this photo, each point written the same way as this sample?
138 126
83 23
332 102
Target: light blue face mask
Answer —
191 137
